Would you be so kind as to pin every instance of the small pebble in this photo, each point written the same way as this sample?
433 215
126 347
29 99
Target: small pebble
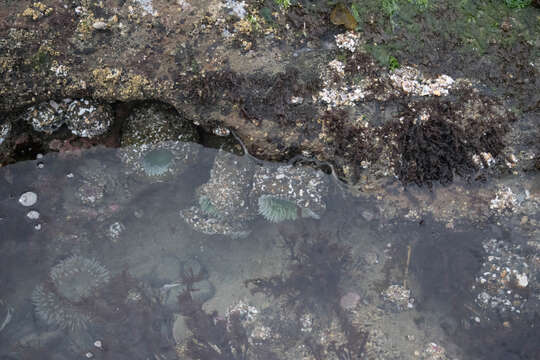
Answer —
89 355
98 344
368 215
138 213
99 25
37 227
522 280
29 198
33 215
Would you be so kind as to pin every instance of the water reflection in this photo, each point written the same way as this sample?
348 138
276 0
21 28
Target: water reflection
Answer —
222 258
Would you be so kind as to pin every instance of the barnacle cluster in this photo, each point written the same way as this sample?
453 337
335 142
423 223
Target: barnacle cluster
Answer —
85 118
503 282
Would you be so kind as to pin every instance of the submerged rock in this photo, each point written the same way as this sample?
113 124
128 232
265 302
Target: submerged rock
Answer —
160 161
226 194
156 142
212 225
502 285
280 191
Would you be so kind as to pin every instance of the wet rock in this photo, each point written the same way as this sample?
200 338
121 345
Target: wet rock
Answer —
46 117
341 15
155 123
5 129
87 118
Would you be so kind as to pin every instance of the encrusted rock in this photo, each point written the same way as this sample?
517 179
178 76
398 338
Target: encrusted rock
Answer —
398 296
226 194
411 81
503 279
46 117
212 225
87 118
155 123
303 187
156 142
5 129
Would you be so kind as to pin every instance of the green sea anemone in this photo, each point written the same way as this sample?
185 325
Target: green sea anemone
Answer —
73 280
207 207
55 310
275 209
161 161
157 162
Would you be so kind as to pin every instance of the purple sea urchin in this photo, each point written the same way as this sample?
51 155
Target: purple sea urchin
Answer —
73 280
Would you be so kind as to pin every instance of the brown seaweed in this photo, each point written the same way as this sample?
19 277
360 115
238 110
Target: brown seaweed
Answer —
317 264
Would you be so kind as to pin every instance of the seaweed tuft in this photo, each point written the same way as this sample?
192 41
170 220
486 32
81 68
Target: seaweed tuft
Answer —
316 266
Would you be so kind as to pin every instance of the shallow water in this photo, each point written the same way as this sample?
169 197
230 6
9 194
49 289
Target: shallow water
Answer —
131 226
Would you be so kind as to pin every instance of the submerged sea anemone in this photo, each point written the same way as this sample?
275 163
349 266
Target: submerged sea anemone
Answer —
287 192
55 310
276 210
207 207
158 142
157 162
58 301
